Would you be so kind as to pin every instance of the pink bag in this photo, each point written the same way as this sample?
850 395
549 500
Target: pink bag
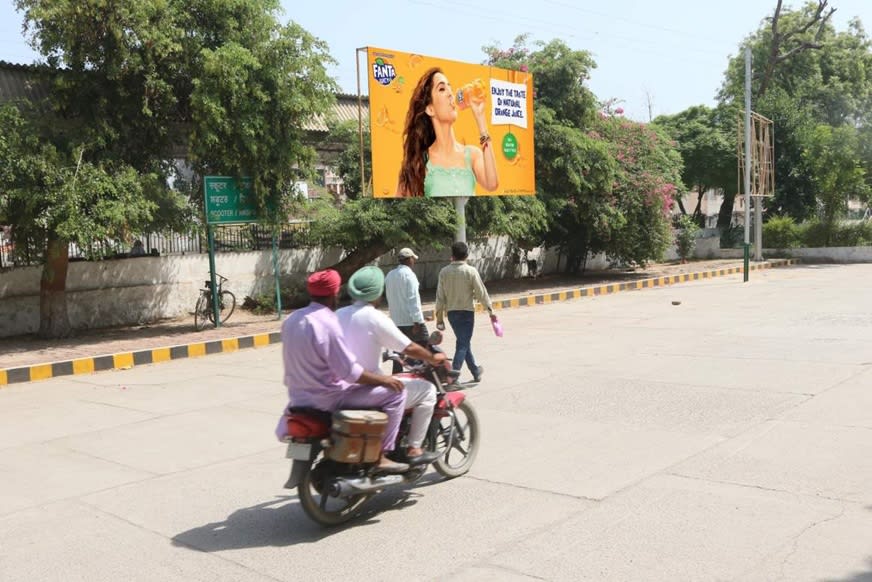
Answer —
498 327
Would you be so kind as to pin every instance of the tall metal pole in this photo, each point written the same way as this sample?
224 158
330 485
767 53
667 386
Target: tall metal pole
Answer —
747 166
360 120
460 209
275 259
216 313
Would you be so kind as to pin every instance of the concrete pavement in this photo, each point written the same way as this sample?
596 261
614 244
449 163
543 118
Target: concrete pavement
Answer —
624 438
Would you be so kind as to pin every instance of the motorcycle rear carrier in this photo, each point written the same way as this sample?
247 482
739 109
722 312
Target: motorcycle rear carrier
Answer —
357 436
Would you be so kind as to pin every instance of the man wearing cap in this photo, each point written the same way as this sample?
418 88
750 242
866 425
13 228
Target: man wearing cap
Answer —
367 332
321 372
402 291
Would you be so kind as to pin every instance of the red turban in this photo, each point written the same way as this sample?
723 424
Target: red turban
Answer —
323 283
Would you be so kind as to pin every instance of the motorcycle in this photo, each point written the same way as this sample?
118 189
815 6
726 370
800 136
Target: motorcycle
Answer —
335 455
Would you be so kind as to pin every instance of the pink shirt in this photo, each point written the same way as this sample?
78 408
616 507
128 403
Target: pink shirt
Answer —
318 364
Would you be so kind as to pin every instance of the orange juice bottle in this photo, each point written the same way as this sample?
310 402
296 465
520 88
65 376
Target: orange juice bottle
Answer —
472 92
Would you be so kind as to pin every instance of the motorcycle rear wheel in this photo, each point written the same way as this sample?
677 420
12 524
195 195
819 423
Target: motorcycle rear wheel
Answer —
323 508
457 437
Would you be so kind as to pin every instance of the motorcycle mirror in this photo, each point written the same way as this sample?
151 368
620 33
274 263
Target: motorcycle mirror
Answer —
435 338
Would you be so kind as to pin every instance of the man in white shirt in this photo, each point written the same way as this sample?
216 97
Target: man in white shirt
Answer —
367 332
402 291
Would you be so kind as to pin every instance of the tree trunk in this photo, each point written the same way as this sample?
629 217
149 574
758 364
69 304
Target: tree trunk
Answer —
725 215
698 210
54 321
360 258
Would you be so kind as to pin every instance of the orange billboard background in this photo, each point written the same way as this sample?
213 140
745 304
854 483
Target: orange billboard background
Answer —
392 77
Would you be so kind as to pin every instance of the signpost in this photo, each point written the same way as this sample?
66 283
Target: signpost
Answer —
230 200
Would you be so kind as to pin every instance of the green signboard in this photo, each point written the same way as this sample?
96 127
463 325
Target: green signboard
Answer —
228 200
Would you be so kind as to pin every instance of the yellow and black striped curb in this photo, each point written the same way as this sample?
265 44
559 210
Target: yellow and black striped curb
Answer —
126 360
610 288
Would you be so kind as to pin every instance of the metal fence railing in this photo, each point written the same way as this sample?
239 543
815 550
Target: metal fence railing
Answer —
228 238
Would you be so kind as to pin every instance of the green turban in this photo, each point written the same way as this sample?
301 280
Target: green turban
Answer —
366 284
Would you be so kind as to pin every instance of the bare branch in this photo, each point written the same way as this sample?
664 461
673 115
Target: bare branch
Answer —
779 39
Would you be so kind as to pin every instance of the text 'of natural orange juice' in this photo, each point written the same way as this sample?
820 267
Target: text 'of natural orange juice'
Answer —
473 92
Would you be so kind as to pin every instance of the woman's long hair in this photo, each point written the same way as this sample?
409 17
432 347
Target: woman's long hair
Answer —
418 136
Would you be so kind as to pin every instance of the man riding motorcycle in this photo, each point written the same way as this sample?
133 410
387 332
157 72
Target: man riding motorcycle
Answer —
321 372
367 332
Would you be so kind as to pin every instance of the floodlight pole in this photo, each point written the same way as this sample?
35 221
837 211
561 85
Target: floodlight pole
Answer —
747 166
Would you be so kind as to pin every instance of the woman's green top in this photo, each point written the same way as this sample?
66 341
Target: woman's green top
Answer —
459 181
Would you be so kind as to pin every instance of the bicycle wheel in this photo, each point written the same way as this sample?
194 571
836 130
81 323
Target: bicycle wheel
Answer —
226 306
202 313
456 436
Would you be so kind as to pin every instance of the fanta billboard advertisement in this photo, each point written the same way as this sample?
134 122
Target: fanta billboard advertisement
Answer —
445 128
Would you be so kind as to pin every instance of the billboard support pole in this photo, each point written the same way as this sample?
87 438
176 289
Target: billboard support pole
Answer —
460 209
360 122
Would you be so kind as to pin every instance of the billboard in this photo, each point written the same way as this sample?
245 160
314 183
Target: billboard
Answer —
464 130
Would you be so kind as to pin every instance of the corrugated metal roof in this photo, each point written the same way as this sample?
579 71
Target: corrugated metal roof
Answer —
23 82
32 82
345 109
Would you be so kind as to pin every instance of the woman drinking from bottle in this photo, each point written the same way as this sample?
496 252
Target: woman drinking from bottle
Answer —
435 164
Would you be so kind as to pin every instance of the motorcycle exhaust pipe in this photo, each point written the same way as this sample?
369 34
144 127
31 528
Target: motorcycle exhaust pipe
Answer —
344 487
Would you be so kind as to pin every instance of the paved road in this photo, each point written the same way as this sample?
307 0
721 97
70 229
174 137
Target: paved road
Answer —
626 438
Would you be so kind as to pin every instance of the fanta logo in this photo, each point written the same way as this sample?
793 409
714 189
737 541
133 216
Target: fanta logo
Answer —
383 72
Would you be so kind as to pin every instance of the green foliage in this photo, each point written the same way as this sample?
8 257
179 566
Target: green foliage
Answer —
249 106
781 232
732 237
648 178
793 120
705 138
78 200
606 184
361 224
293 296
817 233
833 157
346 136
821 80
685 236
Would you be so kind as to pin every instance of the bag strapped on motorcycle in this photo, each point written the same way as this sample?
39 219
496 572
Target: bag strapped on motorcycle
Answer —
356 436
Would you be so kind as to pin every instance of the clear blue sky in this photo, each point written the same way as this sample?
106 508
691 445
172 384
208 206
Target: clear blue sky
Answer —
670 54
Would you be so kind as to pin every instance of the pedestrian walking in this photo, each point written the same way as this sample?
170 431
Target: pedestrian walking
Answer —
403 293
459 287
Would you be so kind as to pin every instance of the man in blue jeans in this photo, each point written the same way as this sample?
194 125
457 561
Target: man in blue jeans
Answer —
459 287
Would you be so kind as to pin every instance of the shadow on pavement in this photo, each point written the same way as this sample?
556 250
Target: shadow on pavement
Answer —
282 522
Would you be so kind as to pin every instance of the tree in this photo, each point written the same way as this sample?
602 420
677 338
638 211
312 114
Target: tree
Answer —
806 73
605 182
705 139
646 183
249 105
136 82
838 172
78 201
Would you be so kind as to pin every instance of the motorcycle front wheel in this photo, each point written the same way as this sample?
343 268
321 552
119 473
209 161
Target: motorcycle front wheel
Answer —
322 507
456 436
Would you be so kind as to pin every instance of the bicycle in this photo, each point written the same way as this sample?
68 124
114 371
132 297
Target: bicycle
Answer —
203 311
